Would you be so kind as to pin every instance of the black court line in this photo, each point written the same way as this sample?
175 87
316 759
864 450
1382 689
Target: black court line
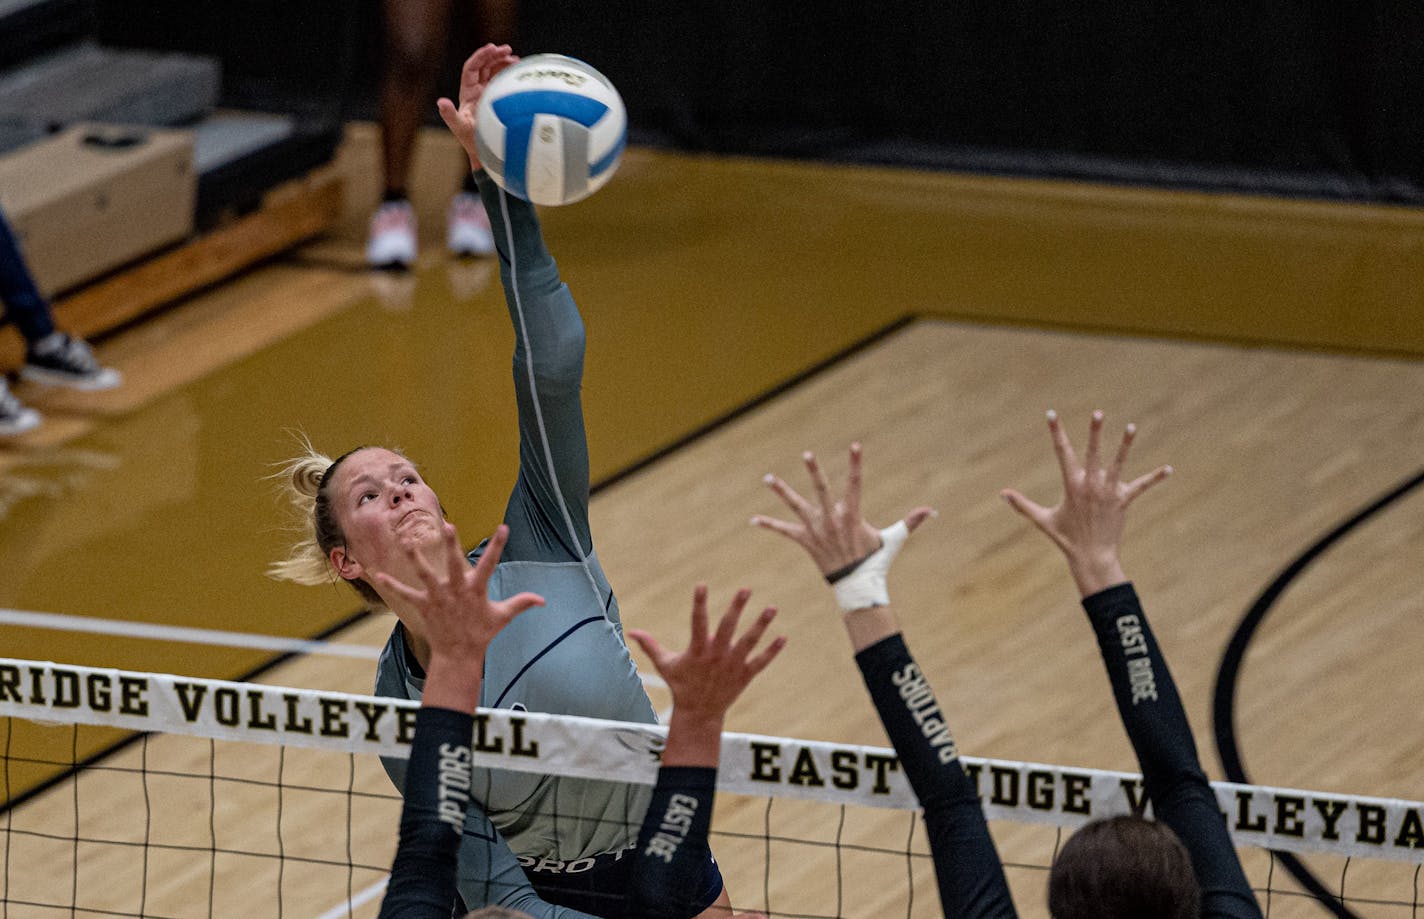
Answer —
1229 672
632 469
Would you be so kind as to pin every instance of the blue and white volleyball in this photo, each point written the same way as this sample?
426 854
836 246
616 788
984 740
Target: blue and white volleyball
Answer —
551 129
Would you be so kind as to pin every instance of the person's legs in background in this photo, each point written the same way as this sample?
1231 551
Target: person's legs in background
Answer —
51 357
414 45
468 227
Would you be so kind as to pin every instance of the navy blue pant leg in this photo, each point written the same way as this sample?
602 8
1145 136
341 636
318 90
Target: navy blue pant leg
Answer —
25 306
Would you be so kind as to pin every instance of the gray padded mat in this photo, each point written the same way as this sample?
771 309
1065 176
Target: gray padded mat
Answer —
91 83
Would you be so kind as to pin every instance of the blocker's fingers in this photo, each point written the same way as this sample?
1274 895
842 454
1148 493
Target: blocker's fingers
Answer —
1037 513
1119 461
489 559
416 597
422 565
519 603
791 497
650 647
1091 459
818 481
752 635
918 516
793 531
854 479
1142 483
1067 459
728 626
456 564
699 618
758 664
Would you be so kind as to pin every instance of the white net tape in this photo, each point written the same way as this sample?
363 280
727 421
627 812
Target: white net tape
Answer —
1276 818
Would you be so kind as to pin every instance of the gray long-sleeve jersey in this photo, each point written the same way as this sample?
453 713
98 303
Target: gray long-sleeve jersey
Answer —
568 657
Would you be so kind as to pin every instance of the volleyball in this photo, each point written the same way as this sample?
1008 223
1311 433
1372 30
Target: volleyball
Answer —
550 129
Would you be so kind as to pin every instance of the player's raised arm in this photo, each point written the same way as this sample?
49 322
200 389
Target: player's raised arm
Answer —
705 679
548 512
1087 526
854 556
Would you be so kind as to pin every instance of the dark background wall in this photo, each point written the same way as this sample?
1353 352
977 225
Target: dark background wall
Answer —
1294 96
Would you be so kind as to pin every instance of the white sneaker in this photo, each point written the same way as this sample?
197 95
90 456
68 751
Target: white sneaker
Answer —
14 417
392 240
469 227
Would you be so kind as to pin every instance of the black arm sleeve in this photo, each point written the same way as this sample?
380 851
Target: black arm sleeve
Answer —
1157 725
971 878
422 884
672 845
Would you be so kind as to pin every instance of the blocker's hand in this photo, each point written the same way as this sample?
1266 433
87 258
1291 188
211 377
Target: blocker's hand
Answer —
479 69
453 608
1087 524
711 673
832 532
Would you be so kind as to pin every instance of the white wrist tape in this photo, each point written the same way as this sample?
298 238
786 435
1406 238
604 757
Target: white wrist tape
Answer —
865 586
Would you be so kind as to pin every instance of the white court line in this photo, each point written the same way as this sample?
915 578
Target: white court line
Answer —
360 899
65 622
69 623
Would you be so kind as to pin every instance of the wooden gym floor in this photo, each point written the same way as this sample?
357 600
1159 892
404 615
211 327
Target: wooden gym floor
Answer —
1268 350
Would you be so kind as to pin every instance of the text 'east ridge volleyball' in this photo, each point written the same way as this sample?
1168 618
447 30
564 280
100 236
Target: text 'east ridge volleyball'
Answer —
551 129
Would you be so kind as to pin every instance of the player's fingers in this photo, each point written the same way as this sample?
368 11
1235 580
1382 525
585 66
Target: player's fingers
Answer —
489 559
792 531
1140 484
460 124
728 626
752 636
1091 459
1067 459
422 565
450 114
457 566
758 664
650 647
918 516
1119 461
484 54
1036 513
416 597
471 63
818 482
518 603
699 618
854 479
791 497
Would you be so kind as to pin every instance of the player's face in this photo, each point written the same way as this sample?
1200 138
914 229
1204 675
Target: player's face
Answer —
384 508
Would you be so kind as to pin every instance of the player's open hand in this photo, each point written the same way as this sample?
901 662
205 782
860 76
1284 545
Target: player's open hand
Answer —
711 673
832 531
479 69
451 604
1087 524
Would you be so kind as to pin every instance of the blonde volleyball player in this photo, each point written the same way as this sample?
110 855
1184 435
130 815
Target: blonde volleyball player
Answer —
461 621
370 505
1181 866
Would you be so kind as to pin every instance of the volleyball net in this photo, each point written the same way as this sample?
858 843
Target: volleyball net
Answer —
241 799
